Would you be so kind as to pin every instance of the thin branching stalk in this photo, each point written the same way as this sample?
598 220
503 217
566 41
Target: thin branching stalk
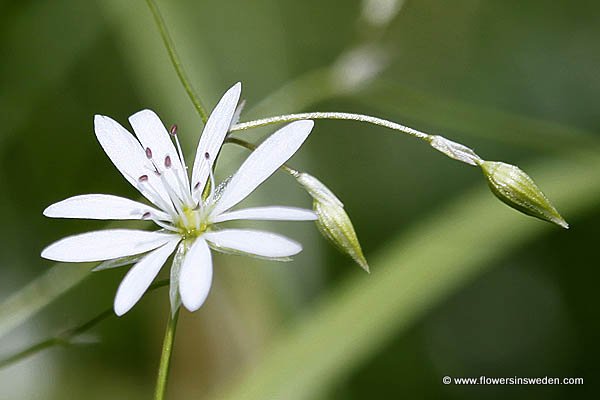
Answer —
330 115
168 42
66 338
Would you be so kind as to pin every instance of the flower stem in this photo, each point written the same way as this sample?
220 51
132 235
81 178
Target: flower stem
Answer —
165 358
330 115
168 42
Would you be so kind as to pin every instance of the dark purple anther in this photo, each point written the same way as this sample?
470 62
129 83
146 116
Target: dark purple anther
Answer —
143 178
167 162
146 215
206 155
197 186
173 130
148 152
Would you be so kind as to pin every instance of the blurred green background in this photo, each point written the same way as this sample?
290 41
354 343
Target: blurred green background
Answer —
461 285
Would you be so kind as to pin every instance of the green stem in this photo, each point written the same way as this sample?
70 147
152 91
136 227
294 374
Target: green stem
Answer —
331 115
36 348
168 42
165 358
66 338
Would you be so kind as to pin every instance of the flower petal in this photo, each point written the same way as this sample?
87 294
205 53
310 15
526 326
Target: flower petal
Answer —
272 213
101 206
195 277
264 244
105 245
129 157
263 162
152 134
140 276
212 138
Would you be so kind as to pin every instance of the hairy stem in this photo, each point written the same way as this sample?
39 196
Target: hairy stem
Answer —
165 358
168 42
330 115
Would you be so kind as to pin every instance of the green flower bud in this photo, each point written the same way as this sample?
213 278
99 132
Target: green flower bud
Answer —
333 222
515 188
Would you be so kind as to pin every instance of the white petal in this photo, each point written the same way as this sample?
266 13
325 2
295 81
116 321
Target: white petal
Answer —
101 206
273 213
195 278
105 245
152 134
128 156
263 162
212 137
264 244
140 276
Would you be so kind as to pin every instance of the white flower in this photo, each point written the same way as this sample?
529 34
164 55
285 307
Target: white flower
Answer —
156 167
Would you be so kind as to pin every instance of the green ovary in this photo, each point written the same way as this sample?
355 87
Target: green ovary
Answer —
188 223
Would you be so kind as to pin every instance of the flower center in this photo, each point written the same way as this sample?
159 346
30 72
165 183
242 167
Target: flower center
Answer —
191 222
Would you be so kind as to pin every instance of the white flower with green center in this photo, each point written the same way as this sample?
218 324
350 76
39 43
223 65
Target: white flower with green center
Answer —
156 167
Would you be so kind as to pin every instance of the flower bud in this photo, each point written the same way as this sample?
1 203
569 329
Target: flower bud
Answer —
455 150
515 188
332 221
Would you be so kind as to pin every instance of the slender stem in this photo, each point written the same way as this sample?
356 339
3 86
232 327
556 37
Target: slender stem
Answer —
165 358
168 42
330 115
66 338
44 344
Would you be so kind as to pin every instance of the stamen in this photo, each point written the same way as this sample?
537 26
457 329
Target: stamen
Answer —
212 179
176 200
165 205
183 186
167 162
173 132
197 186
148 153
211 196
146 215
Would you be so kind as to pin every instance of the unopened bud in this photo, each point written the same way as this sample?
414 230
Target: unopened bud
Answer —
515 188
332 220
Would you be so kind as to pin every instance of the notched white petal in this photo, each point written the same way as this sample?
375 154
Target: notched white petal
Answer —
128 156
212 138
195 278
260 243
105 245
140 276
102 206
152 134
263 162
272 213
